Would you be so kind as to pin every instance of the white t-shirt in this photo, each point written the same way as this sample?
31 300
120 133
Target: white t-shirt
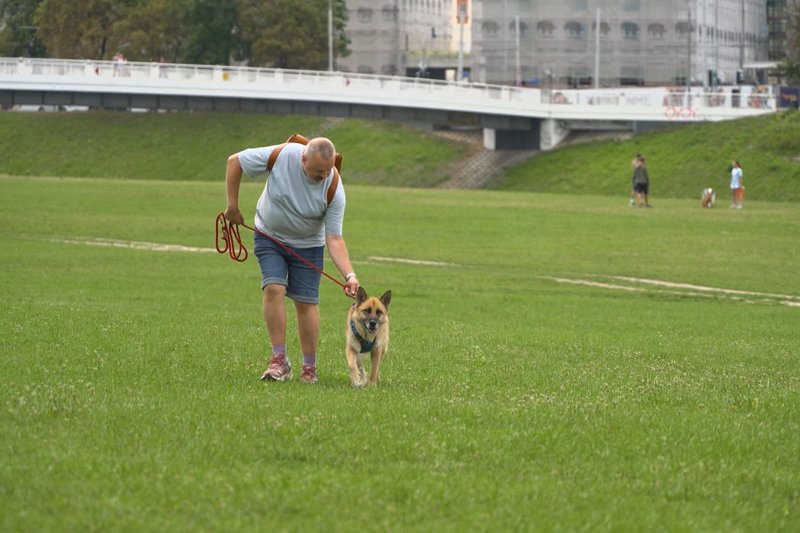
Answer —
293 208
736 178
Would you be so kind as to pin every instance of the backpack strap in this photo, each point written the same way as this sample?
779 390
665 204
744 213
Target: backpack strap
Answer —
274 156
334 184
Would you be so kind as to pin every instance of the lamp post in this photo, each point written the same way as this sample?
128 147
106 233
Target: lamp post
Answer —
689 61
517 65
462 19
597 50
330 35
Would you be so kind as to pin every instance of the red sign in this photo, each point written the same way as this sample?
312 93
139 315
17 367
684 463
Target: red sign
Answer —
462 11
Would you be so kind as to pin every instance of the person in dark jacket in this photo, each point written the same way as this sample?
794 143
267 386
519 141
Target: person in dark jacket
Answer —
641 182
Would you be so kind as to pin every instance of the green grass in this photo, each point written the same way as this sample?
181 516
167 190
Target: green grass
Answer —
130 399
681 161
194 146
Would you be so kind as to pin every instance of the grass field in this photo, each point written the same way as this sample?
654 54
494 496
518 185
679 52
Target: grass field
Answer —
538 377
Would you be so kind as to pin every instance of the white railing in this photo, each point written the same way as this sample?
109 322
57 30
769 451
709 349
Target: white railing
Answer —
624 103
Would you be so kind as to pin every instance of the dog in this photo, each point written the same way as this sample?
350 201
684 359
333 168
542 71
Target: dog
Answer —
707 197
367 332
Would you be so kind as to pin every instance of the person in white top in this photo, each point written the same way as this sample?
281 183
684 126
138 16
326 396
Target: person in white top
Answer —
737 187
294 212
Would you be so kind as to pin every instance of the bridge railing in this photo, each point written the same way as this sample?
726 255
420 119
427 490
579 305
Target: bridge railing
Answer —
622 103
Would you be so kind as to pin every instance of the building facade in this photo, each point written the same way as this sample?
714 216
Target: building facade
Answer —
399 37
640 42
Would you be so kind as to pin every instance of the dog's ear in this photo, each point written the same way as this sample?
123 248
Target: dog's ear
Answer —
361 295
386 298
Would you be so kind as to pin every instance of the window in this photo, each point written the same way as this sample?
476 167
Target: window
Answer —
489 28
630 31
523 28
604 27
574 29
364 14
682 27
656 30
545 28
390 13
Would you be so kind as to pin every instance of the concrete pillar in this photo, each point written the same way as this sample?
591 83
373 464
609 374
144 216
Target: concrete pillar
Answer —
552 133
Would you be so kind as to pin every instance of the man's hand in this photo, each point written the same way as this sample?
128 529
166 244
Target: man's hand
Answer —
232 214
351 286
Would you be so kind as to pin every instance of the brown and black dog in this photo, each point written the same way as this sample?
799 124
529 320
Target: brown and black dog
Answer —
367 332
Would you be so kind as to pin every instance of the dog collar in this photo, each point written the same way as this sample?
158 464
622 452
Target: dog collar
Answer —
366 346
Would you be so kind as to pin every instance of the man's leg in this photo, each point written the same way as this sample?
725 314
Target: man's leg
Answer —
274 310
308 326
308 329
275 313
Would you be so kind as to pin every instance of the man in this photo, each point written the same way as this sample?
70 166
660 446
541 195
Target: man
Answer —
293 209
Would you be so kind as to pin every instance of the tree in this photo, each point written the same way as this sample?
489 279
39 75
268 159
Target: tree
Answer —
18 34
290 34
79 29
152 29
790 67
211 30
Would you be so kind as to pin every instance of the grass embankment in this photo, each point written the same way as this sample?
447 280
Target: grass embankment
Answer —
193 146
681 161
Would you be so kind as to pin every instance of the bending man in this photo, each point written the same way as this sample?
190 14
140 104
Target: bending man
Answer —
293 209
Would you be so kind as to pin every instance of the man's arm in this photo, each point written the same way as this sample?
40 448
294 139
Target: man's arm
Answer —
337 249
233 178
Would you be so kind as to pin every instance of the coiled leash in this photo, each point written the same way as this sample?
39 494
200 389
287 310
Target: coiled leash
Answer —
228 240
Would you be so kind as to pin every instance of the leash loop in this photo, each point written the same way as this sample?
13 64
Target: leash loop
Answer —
230 241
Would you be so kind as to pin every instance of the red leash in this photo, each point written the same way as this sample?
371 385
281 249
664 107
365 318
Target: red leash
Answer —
230 241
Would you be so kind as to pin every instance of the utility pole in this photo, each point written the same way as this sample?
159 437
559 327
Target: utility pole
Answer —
330 35
689 61
518 67
462 18
741 42
597 50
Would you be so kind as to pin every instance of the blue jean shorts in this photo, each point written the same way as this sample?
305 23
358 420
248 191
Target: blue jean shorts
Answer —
280 267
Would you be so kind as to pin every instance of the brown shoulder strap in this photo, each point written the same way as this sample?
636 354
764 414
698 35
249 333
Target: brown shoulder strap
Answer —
274 155
334 184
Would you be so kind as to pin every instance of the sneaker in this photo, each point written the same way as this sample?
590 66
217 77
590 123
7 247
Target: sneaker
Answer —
278 369
308 374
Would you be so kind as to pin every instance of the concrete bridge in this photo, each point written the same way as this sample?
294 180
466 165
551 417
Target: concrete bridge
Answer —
511 117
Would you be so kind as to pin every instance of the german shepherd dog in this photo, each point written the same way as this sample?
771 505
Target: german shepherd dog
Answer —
367 332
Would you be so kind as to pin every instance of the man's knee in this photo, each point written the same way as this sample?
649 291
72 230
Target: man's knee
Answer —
274 291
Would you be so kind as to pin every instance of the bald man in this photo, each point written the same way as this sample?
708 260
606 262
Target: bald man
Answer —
294 210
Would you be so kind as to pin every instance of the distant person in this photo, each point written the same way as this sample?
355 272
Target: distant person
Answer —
737 187
119 60
632 194
641 182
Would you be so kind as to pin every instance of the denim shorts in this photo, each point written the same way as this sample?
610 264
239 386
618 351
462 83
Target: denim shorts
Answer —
280 267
